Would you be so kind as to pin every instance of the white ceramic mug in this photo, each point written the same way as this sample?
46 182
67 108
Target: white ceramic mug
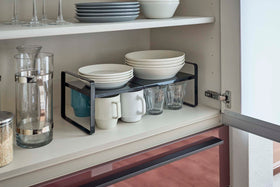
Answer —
107 112
133 106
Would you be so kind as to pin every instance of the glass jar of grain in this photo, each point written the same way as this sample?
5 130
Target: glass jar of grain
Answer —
6 138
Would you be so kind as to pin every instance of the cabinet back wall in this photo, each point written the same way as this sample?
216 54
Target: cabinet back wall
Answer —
70 53
25 8
200 42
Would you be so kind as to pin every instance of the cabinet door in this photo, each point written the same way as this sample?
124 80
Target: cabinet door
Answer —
200 160
250 65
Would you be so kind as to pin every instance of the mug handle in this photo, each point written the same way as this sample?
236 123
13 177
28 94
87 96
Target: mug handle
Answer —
143 105
118 112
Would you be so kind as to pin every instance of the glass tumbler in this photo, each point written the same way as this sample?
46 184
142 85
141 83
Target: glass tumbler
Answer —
154 98
34 100
175 95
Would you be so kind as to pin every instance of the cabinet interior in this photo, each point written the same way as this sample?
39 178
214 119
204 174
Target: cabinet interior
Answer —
200 42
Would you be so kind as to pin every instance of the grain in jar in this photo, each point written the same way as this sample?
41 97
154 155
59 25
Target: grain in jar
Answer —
6 138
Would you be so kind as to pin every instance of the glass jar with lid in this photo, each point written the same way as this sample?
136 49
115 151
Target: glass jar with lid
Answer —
6 138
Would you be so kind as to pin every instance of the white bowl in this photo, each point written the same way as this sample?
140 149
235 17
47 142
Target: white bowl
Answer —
157 73
156 66
156 63
158 9
155 56
106 70
152 65
159 1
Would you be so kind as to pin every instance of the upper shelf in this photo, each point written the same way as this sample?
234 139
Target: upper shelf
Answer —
14 32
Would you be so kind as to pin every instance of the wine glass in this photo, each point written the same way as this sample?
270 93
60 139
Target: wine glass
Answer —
34 21
44 19
60 20
14 20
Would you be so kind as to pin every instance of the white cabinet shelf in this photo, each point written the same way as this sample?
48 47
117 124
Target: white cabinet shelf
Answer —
14 32
72 150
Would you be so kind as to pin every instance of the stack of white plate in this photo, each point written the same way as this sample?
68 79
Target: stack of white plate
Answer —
155 64
100 12
107 76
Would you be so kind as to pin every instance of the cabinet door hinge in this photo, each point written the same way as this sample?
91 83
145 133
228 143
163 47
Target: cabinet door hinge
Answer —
225 97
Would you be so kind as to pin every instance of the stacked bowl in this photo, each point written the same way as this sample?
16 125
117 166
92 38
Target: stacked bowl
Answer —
159 8
155 64
101 12
107 76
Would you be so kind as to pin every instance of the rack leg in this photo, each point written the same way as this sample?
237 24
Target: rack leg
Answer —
92 108
63 96
195 85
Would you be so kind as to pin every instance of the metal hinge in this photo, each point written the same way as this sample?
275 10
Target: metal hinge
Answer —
225 98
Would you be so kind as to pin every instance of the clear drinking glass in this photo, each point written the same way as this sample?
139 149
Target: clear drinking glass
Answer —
34 20
14 20
34 100
60 20
174 95
154 98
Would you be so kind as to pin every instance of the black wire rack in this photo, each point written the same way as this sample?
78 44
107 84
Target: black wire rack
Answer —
135 84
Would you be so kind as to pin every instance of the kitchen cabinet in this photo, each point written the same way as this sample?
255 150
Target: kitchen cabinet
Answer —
208 31
198 160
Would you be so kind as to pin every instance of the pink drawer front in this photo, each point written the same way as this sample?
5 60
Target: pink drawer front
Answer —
200 160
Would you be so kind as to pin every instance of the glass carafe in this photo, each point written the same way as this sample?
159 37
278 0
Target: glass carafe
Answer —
34 99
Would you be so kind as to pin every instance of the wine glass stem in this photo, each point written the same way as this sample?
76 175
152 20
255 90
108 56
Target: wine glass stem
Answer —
60 16
44 16
35 17
15 17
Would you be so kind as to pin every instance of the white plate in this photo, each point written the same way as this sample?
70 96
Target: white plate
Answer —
108 7
107 14
110 85
155 55
108 78
111 80
156 74
153 65
106 70
106 3
107 10
106 19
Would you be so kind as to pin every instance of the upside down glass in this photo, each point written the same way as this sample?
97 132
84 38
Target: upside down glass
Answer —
174 95
154 98
34 100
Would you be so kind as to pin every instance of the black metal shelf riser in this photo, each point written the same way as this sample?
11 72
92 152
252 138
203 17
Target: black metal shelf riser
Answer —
133 85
